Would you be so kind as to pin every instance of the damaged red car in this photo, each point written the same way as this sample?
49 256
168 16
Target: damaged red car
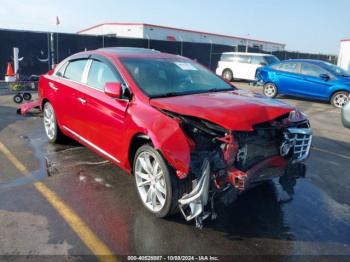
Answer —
187 136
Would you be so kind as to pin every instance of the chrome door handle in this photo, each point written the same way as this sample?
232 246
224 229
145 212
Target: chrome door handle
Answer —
82 100
52 86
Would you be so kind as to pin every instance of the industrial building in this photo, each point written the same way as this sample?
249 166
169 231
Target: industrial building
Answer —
344 54
156 32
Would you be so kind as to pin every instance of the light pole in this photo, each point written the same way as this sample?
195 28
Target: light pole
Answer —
211 50
246 43
182 42
149 41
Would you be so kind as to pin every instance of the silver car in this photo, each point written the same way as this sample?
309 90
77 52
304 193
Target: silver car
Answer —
345 114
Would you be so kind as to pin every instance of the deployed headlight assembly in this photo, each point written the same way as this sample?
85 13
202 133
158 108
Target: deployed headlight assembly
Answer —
296 116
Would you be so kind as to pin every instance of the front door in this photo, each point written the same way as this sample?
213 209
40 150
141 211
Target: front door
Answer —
315 86
105 115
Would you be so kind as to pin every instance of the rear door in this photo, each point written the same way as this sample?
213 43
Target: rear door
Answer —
315 86
106 115
289 80
74 99
242 67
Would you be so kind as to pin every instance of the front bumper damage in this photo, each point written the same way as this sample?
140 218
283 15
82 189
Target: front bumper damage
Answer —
287 166
192 204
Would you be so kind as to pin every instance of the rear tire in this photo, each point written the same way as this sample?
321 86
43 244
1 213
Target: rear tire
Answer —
227 74
270 90
27 96
339 99
52 130
157 185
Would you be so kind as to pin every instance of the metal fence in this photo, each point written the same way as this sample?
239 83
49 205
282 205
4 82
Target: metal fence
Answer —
38 51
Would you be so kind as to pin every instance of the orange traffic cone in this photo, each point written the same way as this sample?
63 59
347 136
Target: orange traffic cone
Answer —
9 71
10 76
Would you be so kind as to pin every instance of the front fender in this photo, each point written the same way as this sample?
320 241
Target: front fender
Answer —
165 133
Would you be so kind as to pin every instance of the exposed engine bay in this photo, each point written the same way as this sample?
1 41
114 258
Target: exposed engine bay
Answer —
224 163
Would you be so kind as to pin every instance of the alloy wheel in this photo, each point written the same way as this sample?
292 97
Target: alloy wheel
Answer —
49 121
270 90
340 100
150 181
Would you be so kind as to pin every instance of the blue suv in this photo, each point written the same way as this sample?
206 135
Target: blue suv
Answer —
306 78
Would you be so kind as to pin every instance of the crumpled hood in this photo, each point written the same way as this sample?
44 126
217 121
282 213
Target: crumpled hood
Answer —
234 110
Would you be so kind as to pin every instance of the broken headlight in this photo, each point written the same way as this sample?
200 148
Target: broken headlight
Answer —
296 116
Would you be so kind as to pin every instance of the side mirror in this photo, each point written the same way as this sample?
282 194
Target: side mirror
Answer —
263 64
325 77
114 89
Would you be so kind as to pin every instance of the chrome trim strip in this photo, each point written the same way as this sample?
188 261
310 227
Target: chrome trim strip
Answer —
304 131
91 144
84 76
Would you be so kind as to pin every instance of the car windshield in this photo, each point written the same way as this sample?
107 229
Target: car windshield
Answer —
336 70
160 77
271 59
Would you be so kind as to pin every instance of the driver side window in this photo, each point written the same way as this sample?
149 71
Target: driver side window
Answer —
100 74
312 70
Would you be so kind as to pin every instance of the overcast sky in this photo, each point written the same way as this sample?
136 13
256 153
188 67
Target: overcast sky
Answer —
314 26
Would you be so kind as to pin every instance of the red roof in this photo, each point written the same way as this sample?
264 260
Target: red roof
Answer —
345 40
178 29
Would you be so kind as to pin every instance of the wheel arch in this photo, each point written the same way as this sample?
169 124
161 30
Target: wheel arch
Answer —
43 102
136 142
336 91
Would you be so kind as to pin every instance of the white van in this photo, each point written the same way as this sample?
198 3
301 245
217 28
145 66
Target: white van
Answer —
236 65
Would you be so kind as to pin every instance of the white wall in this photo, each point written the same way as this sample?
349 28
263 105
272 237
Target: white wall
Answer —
158 33
344 55
162 33
132 31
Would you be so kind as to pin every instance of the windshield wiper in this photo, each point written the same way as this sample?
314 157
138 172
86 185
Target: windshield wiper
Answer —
218 90
169 94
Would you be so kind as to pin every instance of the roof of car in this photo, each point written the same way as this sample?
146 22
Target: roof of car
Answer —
312 61
134 52
128 50
243 53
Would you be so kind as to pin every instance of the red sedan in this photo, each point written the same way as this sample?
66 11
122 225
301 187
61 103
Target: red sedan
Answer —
186 135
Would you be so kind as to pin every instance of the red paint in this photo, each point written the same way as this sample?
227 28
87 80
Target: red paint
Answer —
111 124
26 107
171 38
237 177
233 110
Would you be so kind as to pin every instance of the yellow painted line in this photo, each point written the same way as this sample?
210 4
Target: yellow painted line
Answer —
97 247
330 152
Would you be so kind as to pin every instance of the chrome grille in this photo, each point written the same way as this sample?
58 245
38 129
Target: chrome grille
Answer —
301 139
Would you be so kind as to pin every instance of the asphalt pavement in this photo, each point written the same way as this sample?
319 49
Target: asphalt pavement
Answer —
65 200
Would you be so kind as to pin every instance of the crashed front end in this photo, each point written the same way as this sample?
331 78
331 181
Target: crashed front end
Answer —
224 162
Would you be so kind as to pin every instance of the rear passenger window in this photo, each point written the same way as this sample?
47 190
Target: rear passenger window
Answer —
100 74
258 60
74 70
226 57
243 59
61 70
289 67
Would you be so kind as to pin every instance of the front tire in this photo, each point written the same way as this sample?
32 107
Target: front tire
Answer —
52 130
156 182
339 99
18 99
270 90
